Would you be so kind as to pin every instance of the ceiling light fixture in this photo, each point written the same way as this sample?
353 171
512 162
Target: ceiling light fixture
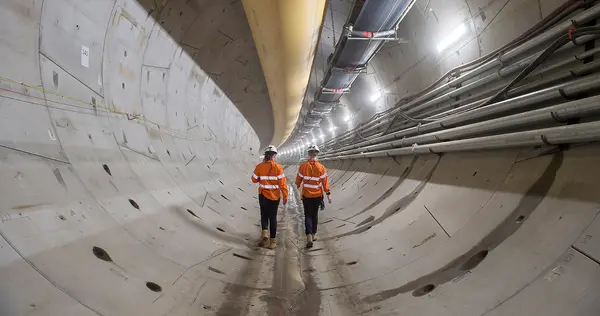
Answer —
376 96
451 38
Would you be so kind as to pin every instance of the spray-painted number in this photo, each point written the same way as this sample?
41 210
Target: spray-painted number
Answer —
85 56
586 239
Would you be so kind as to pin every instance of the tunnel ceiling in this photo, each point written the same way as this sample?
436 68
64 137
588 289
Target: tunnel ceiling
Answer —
400 69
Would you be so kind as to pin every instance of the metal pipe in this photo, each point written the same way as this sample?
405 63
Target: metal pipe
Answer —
519 90
557 113
557 92
554 78
582 18
584 132
503 72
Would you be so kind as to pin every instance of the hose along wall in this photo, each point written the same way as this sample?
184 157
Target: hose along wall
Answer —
512 51
573 68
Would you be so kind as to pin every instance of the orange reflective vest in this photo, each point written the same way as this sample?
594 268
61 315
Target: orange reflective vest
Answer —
312 177
271 180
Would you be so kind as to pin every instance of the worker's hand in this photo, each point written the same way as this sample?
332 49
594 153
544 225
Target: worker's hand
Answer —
285 201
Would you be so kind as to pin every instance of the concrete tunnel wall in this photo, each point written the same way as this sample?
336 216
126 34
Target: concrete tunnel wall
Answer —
510 232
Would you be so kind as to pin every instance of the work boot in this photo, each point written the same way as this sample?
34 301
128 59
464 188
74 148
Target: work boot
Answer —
309 241
273 244
264 238
314 237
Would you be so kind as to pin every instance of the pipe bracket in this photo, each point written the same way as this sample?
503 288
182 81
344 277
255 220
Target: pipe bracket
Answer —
564 94
545 140
556 118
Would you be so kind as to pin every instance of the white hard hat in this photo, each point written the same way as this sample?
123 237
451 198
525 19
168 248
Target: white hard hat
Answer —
271 148
313 148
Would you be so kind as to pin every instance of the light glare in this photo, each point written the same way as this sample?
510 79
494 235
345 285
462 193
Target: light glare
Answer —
376 96
451 38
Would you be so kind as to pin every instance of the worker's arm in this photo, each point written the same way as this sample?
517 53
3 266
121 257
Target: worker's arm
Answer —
299 177
255 177
283 187
325 181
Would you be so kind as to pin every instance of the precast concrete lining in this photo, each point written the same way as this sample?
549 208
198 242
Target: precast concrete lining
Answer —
125 190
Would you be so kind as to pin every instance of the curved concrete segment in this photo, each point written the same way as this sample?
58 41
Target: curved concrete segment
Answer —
126 190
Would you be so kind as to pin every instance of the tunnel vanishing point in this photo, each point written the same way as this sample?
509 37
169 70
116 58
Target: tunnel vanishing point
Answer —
460 138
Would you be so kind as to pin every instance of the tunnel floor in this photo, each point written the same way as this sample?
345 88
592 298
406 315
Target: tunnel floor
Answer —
294 290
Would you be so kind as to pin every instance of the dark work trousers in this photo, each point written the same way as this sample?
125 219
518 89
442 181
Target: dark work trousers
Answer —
311 214
268 214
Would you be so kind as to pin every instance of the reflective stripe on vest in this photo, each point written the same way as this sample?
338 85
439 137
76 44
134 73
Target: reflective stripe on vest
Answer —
268 186
312 186
311 178
281 176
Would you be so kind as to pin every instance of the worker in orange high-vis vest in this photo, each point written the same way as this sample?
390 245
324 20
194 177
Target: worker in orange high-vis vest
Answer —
271 185
312 178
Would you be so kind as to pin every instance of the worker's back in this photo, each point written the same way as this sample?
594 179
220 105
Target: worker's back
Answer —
312 177
271 180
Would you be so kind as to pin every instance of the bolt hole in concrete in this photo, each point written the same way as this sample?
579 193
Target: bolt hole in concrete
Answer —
107 169
125 53
220 229
520 219
241 257
474 260
351 263
192 213
101 254
123 85
216 270
243 208
168 153
424 290
134 204
153 287
161 228
62 217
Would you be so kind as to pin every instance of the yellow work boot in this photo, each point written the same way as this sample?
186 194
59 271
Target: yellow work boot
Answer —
264 238
309 241
273 244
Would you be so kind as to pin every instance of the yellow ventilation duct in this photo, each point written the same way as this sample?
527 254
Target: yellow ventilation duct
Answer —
286 34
